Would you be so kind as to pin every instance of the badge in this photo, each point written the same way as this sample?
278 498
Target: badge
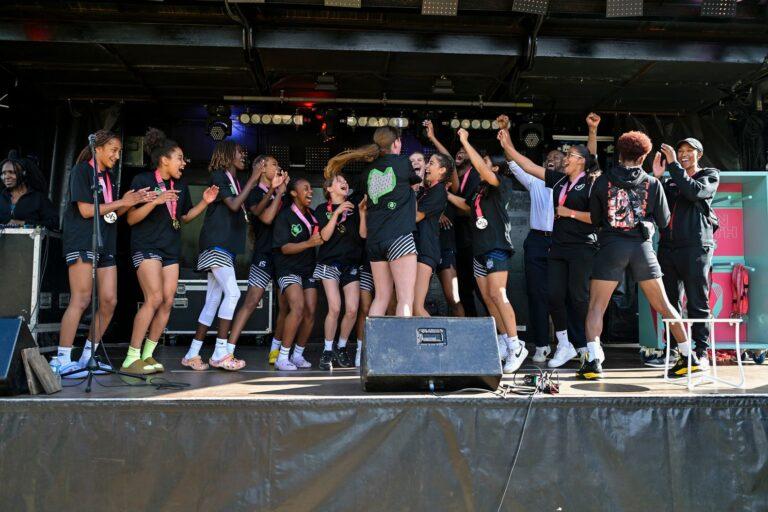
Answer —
110 218
489 264
158 190
176 224
481 223
329 215
295 229
391 205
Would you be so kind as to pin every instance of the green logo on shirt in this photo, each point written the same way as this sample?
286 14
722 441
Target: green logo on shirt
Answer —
329 215
391 205
295 229
380 183
158 190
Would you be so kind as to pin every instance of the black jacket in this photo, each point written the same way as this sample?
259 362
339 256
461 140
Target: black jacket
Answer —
690 200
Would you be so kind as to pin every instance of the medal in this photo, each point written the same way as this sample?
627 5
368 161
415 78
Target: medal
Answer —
176 224
110 218
481 223
171 205
106 190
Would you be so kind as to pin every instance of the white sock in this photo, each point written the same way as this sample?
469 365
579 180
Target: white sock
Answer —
86 355
593 347
684 348
562 337
275 344
64 355
298 351
221 349
359 347
194 349
342 343
513 343
328 345
231 348
284 351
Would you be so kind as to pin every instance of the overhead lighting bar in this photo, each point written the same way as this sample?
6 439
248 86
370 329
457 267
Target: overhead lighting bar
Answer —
351 4
474 124
531 6
276 119
439 7
375 122
623 8
719 8
380 101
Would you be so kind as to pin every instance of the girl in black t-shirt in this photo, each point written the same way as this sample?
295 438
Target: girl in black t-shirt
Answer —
391 205
574 238
492 246
338 267
23 197
78 248
156 246
221 239
430 206
294 237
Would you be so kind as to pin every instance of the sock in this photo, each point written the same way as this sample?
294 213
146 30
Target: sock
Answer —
328 345
194 349
593 347
64 355
134 354
513 343
342 343
231 348
684 348
298 351
86 355
284 351
359 347
149 348
562 337
582 351
275 344
221 349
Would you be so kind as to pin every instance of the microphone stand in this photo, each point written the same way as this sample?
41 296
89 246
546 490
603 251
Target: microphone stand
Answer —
93 366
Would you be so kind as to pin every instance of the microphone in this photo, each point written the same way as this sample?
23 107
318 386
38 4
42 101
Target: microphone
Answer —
92 139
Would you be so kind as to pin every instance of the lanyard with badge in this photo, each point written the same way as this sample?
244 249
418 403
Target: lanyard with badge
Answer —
106 190
235 188
567 189
171 205
311 226
481 222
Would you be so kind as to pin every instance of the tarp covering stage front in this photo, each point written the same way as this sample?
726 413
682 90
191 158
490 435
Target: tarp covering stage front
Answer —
385 454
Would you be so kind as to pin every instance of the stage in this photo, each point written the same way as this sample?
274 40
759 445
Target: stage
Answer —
263 440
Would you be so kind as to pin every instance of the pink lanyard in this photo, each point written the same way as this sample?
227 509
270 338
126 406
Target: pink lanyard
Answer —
171 205
567 188
306 222
236 186
106 187
478 210
464 180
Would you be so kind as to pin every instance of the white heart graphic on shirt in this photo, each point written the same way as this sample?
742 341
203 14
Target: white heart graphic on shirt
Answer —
380 183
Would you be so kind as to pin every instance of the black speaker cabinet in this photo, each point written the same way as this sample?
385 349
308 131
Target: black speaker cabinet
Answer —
417 354
14 336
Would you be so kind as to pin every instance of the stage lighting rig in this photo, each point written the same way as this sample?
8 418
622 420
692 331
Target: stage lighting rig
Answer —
532 135
719 8
219 124
623 8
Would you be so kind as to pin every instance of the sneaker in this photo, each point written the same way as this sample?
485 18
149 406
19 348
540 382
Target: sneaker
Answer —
515 360
138 367
703 362
590 370
326 360
273 355
285 366
72 366
654 358
600 354
300 362
680 369
503 350
541 354
341 357
563 354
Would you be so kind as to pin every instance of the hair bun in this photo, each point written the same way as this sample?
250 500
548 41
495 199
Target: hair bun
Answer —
153 139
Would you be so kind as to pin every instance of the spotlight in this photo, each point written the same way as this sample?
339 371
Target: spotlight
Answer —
475 124
466 123
623 8
363 121
266 119
219 124
532 134
277 119
455 123
494 125
383 121
255 119
219 130
245 118
719 8
352 121
486 124
398 122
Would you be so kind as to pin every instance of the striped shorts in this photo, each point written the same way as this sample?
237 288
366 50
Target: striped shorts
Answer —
214 257
102 260
306 283
366 279
393 249
259 277
498 260
342 274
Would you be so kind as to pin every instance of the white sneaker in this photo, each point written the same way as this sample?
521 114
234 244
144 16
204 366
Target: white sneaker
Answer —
300 362
503 351
563 354
515 359
285 366
71 366
703 362
541 354
600 354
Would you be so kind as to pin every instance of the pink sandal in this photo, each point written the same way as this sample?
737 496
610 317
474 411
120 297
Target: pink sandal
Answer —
228 363
196 363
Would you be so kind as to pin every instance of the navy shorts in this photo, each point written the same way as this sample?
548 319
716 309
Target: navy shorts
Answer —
447 259
102 260
613 258
498 260
139 256
342 274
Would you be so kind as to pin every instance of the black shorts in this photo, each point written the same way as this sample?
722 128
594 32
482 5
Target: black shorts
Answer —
392 249
447 259
342 274
427 260
498 260
613 258
262 270
306 282
102 260
139 256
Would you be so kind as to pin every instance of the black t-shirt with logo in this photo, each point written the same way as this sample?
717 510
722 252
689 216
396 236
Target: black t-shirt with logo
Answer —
262 233
288 228
568 231
345 245
494 202
223 227
155 232
463 223
78 230
431 203
391 201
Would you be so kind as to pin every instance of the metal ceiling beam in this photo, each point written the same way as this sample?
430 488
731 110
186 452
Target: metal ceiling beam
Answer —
366 41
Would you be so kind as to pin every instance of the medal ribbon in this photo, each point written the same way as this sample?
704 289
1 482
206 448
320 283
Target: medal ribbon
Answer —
567 188
310 225
171 205
106 187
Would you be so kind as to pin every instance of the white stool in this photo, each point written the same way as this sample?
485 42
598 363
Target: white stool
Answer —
710 376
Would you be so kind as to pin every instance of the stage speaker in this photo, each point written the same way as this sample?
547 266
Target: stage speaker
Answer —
417 354
14 336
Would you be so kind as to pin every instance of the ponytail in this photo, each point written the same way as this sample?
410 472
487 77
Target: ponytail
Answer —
102 139
383 138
